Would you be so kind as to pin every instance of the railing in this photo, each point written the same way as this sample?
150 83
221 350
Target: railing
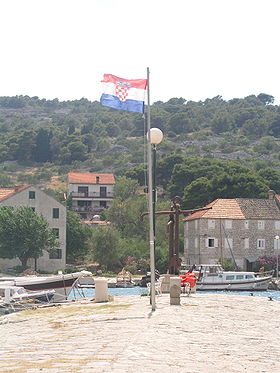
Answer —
92 195
87 209
264 273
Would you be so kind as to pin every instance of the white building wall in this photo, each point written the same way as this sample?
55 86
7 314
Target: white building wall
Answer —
92 188
44 205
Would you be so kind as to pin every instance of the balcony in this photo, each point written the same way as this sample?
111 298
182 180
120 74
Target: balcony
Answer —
87 209
93 195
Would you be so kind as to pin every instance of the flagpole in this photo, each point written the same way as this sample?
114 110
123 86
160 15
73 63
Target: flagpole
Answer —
150 194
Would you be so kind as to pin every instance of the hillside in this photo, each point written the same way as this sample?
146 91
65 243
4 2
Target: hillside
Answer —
42 140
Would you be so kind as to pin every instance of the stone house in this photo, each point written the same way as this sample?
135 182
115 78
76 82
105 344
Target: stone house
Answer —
241 228
91 193
55 214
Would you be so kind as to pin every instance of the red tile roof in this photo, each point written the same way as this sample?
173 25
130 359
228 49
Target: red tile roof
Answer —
90 178
221 209
239 208
9 192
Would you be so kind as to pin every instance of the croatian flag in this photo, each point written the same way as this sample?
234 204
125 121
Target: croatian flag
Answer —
123 94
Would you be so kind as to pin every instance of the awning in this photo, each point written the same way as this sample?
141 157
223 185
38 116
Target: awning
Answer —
251 260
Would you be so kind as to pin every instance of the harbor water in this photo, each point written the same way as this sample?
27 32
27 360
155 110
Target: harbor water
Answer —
137 290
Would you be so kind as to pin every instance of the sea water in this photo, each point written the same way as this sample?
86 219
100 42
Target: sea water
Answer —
90 292
137 290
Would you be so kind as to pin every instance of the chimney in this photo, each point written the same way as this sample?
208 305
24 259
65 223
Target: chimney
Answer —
97 179
271 194
16 188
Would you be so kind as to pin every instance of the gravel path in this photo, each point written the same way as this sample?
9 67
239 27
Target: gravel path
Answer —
207 333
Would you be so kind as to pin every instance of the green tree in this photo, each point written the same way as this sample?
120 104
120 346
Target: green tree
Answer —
180 123
125 215
24 234
42 150
271 178
105 247
78 237
243 185
222 122
125 188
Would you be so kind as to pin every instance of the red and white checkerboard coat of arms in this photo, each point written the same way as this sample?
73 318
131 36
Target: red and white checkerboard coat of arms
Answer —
122 90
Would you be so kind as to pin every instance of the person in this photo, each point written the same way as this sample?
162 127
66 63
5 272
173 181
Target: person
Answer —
193 267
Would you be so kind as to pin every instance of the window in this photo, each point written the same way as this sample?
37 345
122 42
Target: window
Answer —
260 224
56 232
31 194
246 224
211 223
56 213
196 242
249 276
84 203
103 204
195 224
83 190
228 224
211 242
246 243
239 277
276 244
277 225
230 277
55 254
103 192
261 243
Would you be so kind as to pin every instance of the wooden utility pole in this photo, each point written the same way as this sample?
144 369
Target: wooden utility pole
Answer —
173 232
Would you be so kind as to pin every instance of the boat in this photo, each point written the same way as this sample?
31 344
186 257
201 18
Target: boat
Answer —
11 293
124 279
214 277
61 283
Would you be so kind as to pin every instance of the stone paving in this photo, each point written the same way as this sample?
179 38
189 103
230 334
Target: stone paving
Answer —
206 333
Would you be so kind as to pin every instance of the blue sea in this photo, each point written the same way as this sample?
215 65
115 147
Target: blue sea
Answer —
137 290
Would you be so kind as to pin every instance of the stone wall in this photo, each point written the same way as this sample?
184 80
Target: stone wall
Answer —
242 236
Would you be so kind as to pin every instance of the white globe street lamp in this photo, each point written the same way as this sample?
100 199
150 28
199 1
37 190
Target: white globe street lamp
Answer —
154 137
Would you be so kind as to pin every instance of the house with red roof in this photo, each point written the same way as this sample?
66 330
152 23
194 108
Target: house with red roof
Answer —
240 228
91 193
55 214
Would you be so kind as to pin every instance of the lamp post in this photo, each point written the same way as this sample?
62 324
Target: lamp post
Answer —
154 137
277 253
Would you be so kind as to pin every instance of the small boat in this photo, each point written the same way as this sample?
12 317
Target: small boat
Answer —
10 293
214 277
124 279
62 283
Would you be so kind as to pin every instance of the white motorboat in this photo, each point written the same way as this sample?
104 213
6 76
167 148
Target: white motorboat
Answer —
62 283
10 293
124 279
214 277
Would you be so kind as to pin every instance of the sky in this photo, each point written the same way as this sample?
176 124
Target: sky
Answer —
195 49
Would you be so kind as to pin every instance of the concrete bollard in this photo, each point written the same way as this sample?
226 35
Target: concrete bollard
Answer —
175 290
165 285
7 297
101 290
